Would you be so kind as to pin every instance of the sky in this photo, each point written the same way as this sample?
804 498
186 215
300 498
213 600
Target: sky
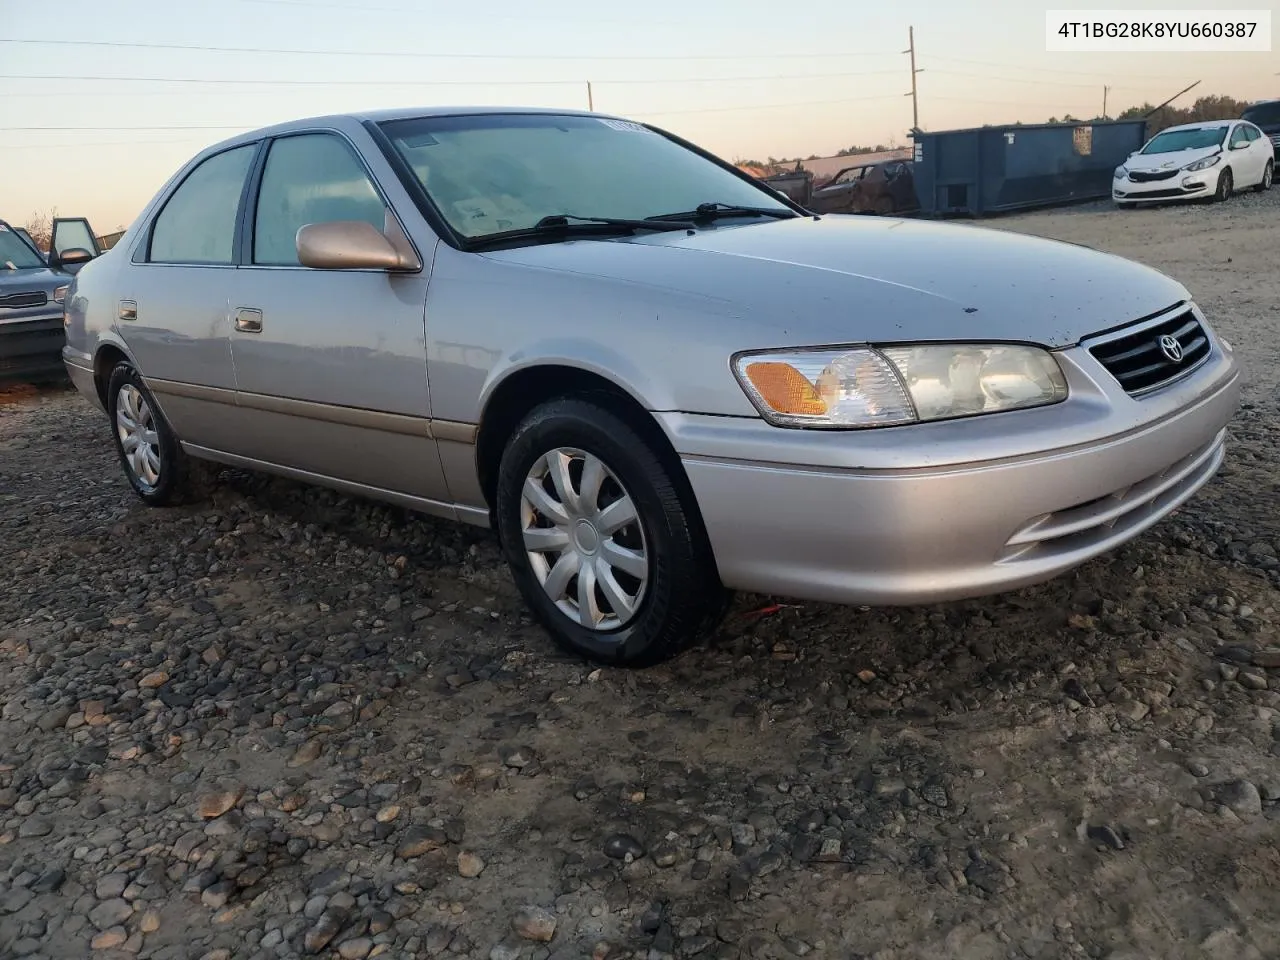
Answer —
98 110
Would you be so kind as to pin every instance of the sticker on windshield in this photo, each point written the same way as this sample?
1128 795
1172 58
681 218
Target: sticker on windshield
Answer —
627 125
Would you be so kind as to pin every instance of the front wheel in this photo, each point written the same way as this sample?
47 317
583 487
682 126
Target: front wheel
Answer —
603 540
1226 186
1267 176
154 464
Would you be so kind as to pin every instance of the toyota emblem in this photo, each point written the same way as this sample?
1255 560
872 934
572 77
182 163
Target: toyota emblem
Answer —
1171 348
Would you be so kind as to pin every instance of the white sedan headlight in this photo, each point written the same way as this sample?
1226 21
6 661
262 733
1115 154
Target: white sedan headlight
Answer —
887 386
1121 172
1204 164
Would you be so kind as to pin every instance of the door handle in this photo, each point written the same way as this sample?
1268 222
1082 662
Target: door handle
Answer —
249 320
128 310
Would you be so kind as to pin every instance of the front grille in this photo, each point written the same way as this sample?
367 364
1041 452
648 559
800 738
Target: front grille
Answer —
28 298
1140 176
1140 363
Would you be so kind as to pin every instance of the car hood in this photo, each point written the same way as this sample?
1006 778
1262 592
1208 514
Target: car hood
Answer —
845 279
1169 161
32 278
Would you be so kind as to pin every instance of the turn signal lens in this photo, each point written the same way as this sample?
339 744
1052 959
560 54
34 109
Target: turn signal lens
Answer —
785 389
60 294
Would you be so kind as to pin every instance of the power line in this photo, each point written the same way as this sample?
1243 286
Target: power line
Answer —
1078 73
141 45
1021 80
440 83
761 106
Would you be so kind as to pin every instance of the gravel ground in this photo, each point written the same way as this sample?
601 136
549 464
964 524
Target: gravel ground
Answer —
289 723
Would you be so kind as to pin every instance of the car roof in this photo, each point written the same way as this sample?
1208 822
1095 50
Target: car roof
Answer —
397 113
1202 125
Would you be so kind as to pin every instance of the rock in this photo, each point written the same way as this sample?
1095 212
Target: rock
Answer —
109 939
150 922
153 681
111 886
623 846
49 881
215 804
517 757
329 882
743 834
328 926
215 896
506 950
420 840
356 949
110 913
470 865
54 719
35 827
1253 679
388 813
1134 710
534 923
307 753
1235 654
1241 797
1197 768
1267 657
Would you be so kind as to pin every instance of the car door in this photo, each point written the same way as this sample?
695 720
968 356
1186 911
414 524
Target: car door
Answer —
173 309
330 364
1243 159
74 236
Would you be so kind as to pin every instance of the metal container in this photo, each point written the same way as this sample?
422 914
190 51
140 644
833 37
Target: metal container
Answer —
996 169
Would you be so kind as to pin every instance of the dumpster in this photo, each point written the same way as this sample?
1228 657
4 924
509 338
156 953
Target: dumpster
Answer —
996 169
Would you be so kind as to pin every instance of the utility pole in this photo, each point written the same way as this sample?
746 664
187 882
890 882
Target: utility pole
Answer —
915 102
591 104
1105 91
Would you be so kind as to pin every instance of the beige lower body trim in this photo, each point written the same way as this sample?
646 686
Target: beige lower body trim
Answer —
330 413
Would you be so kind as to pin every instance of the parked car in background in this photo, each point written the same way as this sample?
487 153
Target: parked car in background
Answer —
33 288
883 188
655 377
1196 161
1265 115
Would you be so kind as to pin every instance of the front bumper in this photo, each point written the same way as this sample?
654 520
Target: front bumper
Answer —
31 349
946 511
1183 186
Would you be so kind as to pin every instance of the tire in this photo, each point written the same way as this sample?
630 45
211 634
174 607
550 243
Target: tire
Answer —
1226 186
1268 174
161 474
665 593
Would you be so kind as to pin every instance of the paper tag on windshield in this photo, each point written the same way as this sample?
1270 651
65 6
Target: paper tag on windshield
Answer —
626 125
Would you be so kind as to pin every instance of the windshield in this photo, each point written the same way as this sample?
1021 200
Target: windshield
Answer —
1264 114
1172 141
15 254
496 173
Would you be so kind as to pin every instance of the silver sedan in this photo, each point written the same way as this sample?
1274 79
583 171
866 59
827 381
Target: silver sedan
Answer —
658 380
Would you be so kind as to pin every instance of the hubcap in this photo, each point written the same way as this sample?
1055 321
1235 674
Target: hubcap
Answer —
136 428
583 538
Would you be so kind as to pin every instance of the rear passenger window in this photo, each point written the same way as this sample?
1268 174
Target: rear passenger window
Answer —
311 178
198 223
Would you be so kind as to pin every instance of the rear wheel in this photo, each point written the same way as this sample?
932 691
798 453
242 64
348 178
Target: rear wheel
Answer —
154 464
1267 176
603 541
1226 186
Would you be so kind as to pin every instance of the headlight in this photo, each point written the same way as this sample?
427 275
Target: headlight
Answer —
888 386
1121 172
1204 164
60 294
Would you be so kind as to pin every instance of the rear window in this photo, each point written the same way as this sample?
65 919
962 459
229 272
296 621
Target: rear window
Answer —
1264 114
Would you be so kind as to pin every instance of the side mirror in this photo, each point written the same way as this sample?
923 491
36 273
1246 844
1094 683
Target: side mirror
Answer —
1240 146
74 257
350 245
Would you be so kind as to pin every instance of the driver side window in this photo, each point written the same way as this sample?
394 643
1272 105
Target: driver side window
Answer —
310 178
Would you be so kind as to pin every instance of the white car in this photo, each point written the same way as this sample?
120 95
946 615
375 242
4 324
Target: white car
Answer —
1196 161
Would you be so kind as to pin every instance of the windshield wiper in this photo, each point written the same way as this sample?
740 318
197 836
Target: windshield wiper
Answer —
716 211
570 225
